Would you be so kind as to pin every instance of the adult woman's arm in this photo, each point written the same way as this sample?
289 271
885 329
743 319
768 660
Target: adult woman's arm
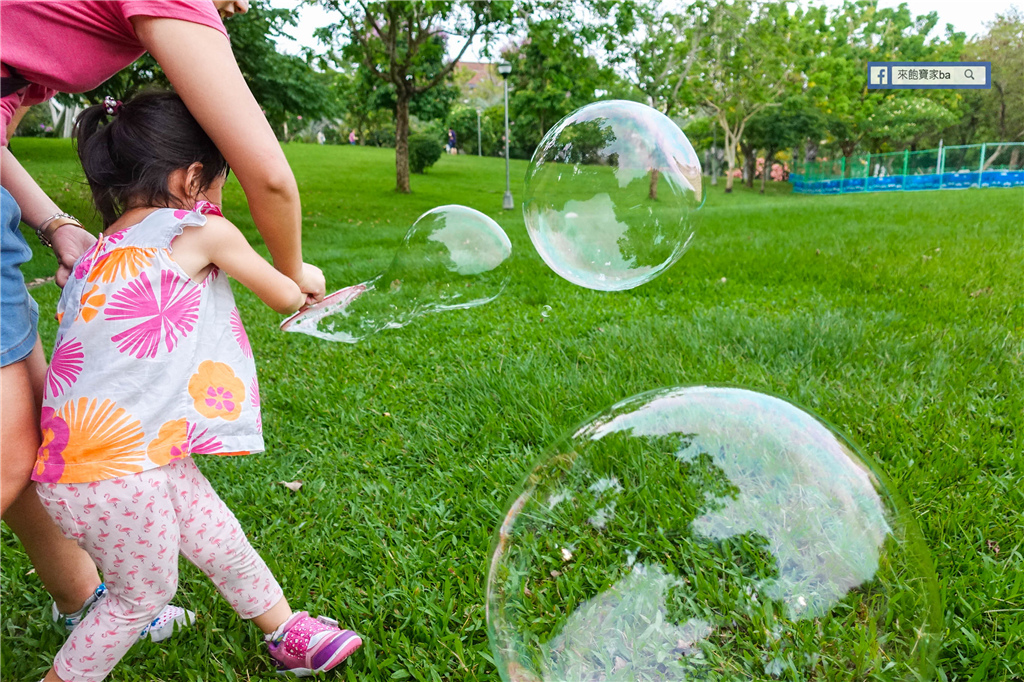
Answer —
68 237
199 63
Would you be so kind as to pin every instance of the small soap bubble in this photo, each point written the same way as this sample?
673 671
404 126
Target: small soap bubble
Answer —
704 533
453 257
611 194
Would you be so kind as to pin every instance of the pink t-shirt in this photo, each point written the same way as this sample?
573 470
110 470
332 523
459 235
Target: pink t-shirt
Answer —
74 45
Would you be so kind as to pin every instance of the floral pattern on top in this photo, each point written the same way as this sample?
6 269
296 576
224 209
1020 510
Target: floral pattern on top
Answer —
216 391
120 264
240 335
174 313
65 366
149 366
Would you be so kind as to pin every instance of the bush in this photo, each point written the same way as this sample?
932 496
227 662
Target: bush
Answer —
36 123
381 136
424 151
463 121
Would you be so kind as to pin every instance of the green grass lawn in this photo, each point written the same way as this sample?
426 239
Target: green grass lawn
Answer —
897 317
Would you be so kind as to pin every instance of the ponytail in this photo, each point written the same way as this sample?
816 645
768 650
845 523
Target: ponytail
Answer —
128 156
92 138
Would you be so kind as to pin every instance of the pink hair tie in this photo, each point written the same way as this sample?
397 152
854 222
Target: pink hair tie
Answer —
207 208
111 106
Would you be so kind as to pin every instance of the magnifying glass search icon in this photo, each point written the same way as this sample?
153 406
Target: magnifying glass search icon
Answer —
969 73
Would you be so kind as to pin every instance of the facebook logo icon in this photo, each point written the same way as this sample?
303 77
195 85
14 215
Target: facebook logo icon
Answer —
878 75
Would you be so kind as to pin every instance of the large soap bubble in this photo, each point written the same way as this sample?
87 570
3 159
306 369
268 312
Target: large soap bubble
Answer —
712 534
453 257
610 195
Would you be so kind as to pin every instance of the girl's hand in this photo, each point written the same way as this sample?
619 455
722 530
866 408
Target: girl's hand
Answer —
311 282
69 242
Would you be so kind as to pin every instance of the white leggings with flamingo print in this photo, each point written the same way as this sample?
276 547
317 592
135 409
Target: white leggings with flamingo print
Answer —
134 528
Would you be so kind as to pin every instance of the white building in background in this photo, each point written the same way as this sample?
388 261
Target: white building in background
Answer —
63 117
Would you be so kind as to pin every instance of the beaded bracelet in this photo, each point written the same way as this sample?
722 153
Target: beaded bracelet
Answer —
47 239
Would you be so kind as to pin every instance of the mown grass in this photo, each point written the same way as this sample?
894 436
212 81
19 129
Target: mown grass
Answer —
897 317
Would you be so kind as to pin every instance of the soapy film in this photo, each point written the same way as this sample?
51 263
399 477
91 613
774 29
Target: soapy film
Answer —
709 534
453 257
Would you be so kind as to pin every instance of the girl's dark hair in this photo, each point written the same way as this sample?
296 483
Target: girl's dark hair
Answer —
127 157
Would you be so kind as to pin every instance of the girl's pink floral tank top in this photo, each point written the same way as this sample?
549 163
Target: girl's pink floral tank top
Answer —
149 365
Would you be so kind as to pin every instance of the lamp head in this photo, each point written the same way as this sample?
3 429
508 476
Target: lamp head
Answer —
504 68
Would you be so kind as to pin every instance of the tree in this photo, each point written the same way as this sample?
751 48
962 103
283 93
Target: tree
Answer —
282 84
778 128
1000 111
656 48
551 76
402 44
745 64
906 121
859 32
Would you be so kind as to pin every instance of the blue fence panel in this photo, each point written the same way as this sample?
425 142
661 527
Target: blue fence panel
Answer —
962 171
1002 178
959 180
916 182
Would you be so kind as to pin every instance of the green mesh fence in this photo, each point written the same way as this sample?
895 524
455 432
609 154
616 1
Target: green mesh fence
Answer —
993 164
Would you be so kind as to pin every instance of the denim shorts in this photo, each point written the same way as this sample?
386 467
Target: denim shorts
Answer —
18 311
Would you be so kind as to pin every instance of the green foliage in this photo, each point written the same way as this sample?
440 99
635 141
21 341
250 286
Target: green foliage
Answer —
141 74
655 47
284 85
744 66
424 151
400 44
463 121
907 121
998 114
37 122
552 75
859 32
410 444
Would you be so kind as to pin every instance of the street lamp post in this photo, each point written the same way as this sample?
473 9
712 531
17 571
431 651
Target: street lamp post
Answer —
505 68
479 139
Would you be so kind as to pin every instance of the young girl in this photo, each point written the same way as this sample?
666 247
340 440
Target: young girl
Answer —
151 365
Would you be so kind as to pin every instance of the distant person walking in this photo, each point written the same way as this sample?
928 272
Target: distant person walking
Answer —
320 137
452 142
352 137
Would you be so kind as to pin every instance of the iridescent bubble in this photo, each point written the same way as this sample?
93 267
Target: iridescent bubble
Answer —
611 194
453 257
709 534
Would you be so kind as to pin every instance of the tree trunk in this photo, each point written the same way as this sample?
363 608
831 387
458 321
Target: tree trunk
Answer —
811 152
731 142
992 158
653 192
766 171
749 164
402 142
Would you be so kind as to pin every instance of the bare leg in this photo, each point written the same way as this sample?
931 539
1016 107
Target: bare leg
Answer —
21 393
66 570
274 618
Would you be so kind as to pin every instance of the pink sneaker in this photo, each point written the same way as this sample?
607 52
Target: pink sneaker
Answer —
305 646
